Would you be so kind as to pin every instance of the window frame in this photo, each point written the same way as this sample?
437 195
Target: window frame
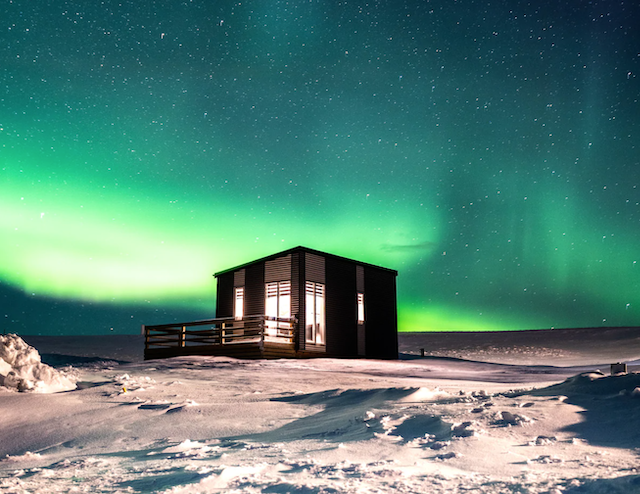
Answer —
238 295
360 312
282 290
315 330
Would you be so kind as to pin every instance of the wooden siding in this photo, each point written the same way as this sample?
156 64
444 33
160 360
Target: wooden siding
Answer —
297 296
360 278
362 340
278 269
239 277
314 268
254 290
224 296
361 330
381 324
242 351
341 335
343 278
246 338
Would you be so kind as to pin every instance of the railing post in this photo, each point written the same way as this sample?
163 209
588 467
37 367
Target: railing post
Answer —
294 333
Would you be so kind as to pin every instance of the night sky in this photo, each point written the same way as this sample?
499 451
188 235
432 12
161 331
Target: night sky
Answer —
487 150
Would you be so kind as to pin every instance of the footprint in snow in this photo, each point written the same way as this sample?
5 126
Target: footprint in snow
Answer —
546 459
154 406
447 456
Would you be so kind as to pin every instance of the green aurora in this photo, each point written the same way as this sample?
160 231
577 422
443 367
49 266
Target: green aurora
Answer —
489 153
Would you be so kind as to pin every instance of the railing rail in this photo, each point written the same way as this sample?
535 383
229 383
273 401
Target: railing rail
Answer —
220 331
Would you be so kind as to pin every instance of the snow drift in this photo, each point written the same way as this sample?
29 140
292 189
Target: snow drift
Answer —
195 425
22 370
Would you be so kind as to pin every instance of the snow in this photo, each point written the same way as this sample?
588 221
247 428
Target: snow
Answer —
22 370
453 423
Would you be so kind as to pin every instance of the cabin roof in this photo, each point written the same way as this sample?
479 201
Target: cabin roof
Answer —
303 249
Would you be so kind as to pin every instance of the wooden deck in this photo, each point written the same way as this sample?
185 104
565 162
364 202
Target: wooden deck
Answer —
250 337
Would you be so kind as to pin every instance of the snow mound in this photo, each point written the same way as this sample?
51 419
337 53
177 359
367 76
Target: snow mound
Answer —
598 384
22 370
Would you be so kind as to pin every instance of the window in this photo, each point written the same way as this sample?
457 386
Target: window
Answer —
360 308
238 303
314 302
278 302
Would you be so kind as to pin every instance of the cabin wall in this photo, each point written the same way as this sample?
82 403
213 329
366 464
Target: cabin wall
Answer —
278 269
341 333
381 319
360 325
254 290
314 270
297 296
224 295
282 269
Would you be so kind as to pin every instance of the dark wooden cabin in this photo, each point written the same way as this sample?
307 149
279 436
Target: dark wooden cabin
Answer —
296 303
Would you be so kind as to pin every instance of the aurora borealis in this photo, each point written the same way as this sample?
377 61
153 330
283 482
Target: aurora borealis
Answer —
488 151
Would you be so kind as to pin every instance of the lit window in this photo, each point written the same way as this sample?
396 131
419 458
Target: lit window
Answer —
360 308
277 305
278 302
315 315
238 305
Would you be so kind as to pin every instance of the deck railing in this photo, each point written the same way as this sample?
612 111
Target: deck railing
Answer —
221 331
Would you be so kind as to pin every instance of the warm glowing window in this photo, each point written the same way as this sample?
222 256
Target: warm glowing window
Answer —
315 315
360 308
278 301
277 305
238 304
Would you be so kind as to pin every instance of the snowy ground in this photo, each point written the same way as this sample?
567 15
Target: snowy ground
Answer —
512 416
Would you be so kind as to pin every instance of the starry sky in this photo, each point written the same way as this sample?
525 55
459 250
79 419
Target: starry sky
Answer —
487 150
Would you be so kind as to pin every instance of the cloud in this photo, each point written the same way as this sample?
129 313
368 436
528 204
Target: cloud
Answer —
426 246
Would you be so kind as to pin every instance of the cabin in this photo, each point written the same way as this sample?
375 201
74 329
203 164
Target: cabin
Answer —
299 303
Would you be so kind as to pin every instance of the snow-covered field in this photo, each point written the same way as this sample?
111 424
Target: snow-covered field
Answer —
499 414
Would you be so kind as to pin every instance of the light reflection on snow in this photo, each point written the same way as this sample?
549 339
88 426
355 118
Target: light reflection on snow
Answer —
197 425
